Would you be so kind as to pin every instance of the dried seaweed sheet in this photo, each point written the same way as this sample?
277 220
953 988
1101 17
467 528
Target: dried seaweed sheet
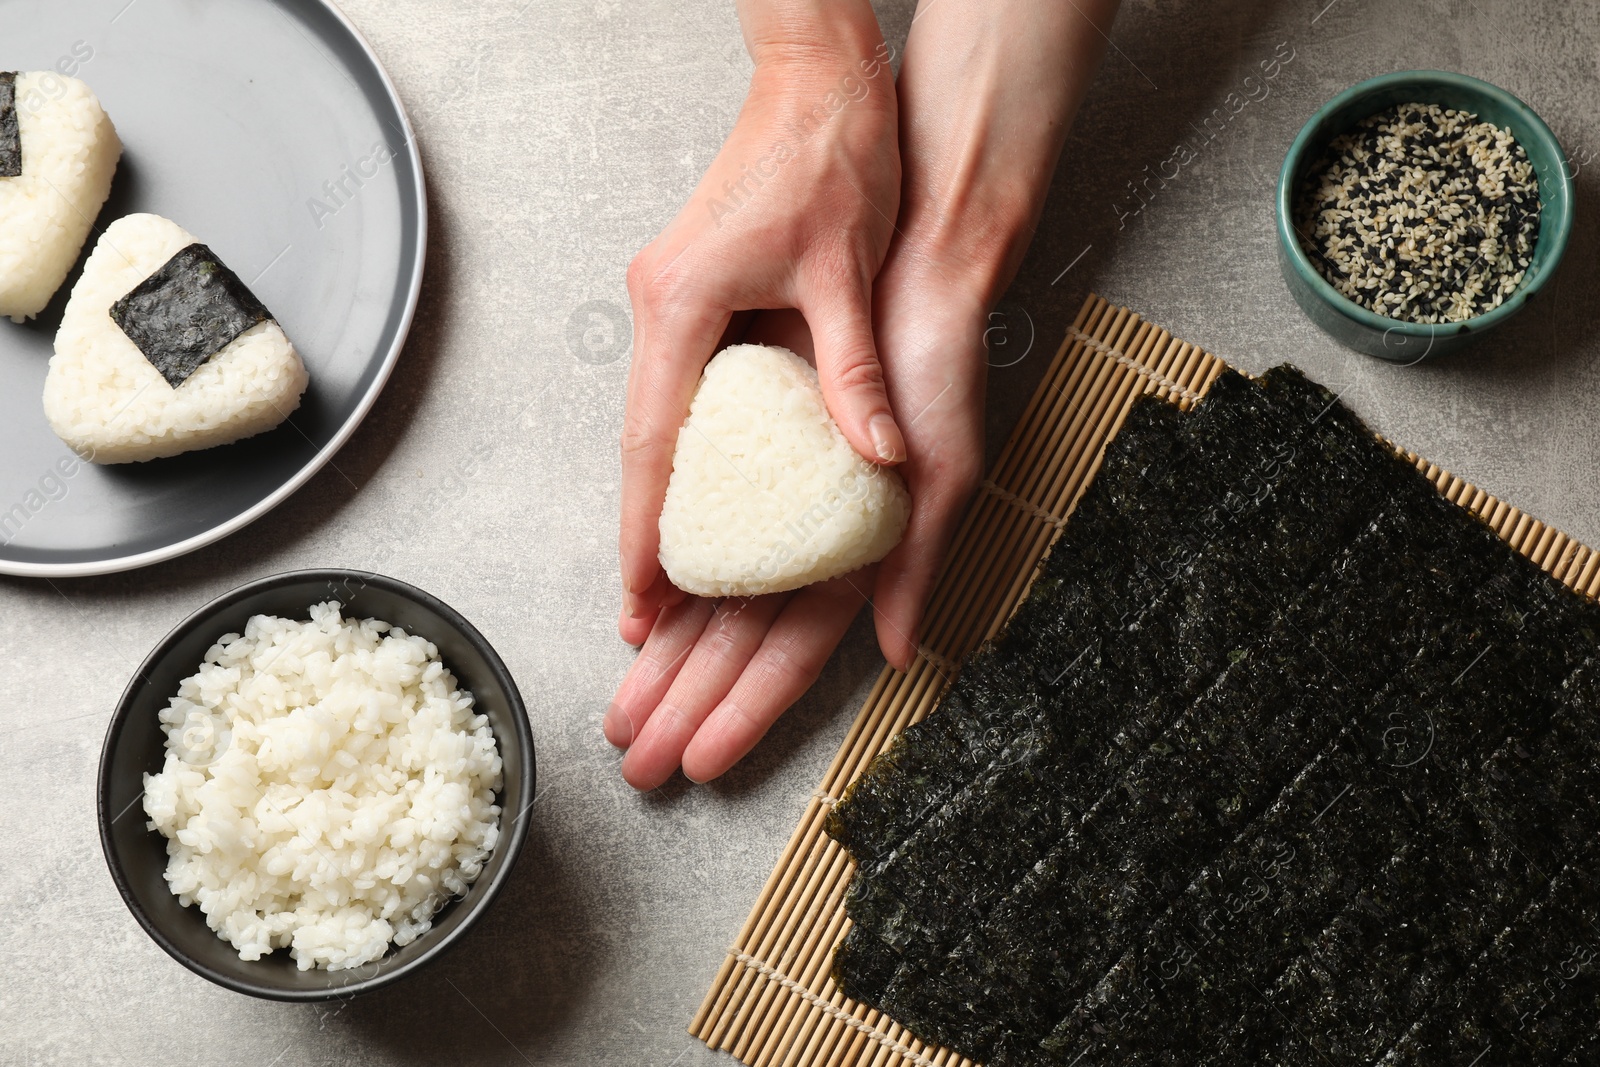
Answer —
1179 983
186 312
1083 586
1529 997
1409 933
1157 480
1017 954
983 918
10 134
1223 585
1514 998
1240 918
1236 502
1087 584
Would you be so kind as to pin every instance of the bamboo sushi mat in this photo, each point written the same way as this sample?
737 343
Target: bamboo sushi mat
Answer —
773 1003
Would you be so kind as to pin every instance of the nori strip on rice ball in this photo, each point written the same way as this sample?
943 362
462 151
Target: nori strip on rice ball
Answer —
186 312
10 134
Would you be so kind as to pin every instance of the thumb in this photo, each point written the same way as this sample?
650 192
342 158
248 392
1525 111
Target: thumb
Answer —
852 378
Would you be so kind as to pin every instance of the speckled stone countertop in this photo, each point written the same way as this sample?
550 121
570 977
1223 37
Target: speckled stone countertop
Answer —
570 132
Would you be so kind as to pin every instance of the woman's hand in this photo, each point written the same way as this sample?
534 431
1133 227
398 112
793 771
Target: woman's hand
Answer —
714 676
795 212
987 92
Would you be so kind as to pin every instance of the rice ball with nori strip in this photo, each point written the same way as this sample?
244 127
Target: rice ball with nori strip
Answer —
155 307
58 152
766 494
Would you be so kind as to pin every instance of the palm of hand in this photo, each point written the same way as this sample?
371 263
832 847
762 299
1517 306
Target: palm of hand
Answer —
713 677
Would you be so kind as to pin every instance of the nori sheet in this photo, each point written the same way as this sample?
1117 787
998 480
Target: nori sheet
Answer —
864 966
10 134
1149 1006
1017 956
1225 579
1082 589
1409 934
186 312
1240 918
1543 794
1110 564
1531 995
1132 879
1124 1021
1250 397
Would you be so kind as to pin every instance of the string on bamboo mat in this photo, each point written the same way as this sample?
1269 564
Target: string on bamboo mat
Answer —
946 667
988 486
1121 359
828 1009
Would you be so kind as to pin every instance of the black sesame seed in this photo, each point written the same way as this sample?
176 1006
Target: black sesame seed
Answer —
1450 201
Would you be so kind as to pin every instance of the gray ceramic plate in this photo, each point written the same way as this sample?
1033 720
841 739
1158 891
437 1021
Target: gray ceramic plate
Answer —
267 129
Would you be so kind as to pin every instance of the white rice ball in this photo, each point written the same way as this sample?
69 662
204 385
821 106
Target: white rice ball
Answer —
111 405
326 789
766 494
69 153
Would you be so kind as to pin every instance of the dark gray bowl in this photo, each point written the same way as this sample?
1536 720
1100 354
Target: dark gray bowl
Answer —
135 745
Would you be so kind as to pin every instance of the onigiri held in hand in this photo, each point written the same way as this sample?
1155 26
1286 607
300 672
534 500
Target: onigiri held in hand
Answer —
766 495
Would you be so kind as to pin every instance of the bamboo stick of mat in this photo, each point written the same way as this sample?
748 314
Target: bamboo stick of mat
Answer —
773 1002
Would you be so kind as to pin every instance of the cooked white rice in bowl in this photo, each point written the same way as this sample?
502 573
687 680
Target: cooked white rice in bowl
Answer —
327 788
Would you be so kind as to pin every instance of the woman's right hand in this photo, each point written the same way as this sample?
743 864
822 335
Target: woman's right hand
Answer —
795 212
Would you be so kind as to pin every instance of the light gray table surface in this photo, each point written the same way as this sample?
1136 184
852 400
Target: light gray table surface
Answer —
558 137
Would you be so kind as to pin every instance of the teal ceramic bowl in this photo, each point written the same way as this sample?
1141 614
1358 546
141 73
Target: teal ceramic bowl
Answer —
1393 339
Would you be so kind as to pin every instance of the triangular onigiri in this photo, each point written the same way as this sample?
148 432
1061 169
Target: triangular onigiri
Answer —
108 401
67 150
766 494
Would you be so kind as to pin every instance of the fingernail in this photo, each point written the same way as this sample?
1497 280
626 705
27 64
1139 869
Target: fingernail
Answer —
616 727
630 604
886 439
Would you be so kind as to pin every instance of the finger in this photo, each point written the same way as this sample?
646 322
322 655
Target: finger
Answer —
791 656
676 630
673 339
635 629
907 574
724 647
851 376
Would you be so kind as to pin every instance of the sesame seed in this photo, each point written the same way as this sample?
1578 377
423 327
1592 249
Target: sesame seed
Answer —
1421 213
